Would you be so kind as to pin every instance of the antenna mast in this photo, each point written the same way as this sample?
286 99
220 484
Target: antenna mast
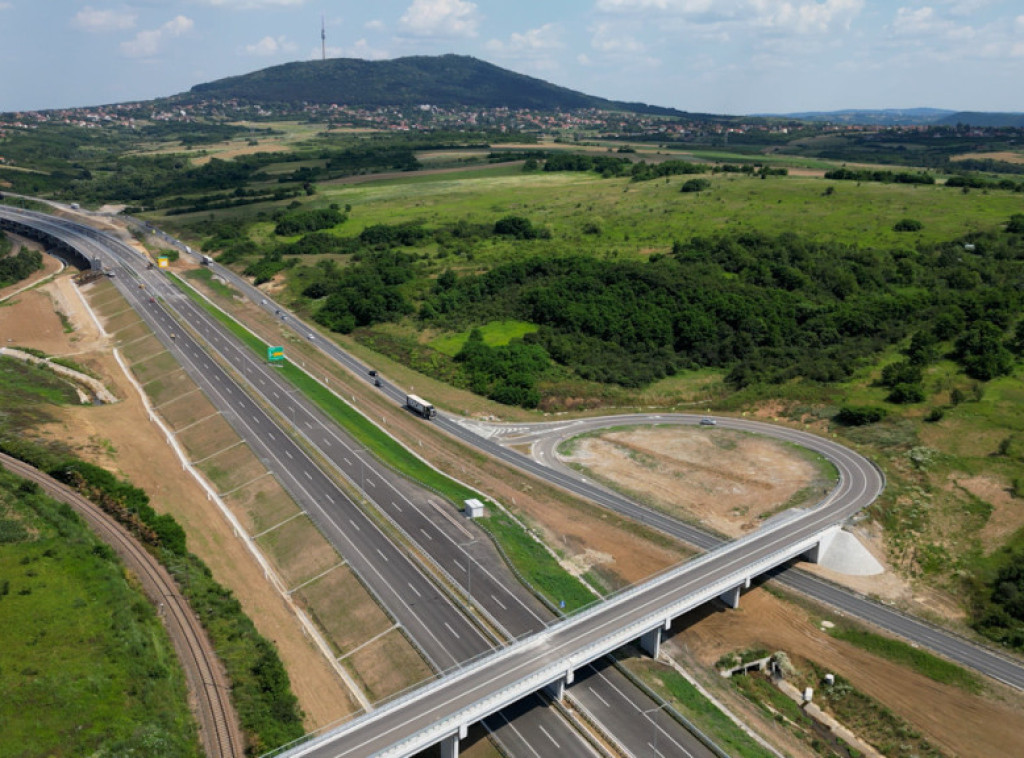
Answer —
323 38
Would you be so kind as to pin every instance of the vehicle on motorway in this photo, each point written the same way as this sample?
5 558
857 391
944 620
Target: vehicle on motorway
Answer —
377 382
420 406
373 372
708 422
206 260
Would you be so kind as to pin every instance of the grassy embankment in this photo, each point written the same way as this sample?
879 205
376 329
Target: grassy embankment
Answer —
260 689
85 664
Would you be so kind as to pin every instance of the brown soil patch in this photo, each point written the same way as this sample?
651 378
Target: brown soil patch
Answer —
387 665
1007 156
346 625
30 320
818 172
724 479
122 438
261 505
1007 512
298 551
957 722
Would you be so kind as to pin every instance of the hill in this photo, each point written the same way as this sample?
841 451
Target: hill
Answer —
445 80
879 117
909 117
974 118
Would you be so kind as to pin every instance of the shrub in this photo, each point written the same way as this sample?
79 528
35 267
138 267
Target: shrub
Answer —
695 185
907 225
906 392
853 415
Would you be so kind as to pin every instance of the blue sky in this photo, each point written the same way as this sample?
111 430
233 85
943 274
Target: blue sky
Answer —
720 56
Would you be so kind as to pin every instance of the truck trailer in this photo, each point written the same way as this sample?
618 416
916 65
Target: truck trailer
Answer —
420 406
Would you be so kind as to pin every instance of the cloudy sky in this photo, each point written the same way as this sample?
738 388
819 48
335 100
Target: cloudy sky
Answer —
721 56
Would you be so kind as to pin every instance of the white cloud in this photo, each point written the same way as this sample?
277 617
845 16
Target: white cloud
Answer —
250 4
269 46
6 6
608 38
670 6
441 18
542 39
806 18
94 20
149 42
375 25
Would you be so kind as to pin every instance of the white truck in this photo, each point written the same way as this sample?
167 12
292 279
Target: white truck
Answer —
420 406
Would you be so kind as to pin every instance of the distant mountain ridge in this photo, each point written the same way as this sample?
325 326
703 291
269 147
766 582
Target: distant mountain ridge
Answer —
444 80
907 117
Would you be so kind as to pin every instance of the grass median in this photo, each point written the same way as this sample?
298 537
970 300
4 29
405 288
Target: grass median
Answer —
535 564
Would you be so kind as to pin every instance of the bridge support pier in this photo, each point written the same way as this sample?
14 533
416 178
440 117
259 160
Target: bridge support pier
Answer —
650 642
731 597
450 744
816 553
450 747
556 690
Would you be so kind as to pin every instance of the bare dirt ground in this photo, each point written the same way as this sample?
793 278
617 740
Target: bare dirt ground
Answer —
720 478
122 438
1009 157
1007 515
960 724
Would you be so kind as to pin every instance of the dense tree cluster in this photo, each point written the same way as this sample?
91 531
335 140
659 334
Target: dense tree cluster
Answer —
506 374
14 268
765 308
300 222
367 292
889 177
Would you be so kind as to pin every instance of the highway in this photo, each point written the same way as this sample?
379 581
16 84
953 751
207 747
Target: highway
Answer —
459 551
984 660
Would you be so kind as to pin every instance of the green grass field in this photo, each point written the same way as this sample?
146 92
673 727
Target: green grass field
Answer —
86 668
495 334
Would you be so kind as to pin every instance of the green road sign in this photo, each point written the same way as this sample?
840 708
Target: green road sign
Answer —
275 354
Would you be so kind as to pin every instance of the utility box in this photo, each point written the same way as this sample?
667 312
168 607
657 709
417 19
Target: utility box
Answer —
474 508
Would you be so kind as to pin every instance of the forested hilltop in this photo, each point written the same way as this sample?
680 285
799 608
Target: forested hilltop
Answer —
443 80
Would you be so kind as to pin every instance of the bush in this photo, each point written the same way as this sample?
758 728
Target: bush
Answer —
518 227
907 225
935 415
851 415
905 393
695 185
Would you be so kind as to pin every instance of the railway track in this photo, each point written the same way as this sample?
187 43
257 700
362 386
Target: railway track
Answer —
208 684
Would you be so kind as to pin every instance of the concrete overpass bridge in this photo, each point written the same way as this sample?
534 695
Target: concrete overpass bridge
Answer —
442 711
11 220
